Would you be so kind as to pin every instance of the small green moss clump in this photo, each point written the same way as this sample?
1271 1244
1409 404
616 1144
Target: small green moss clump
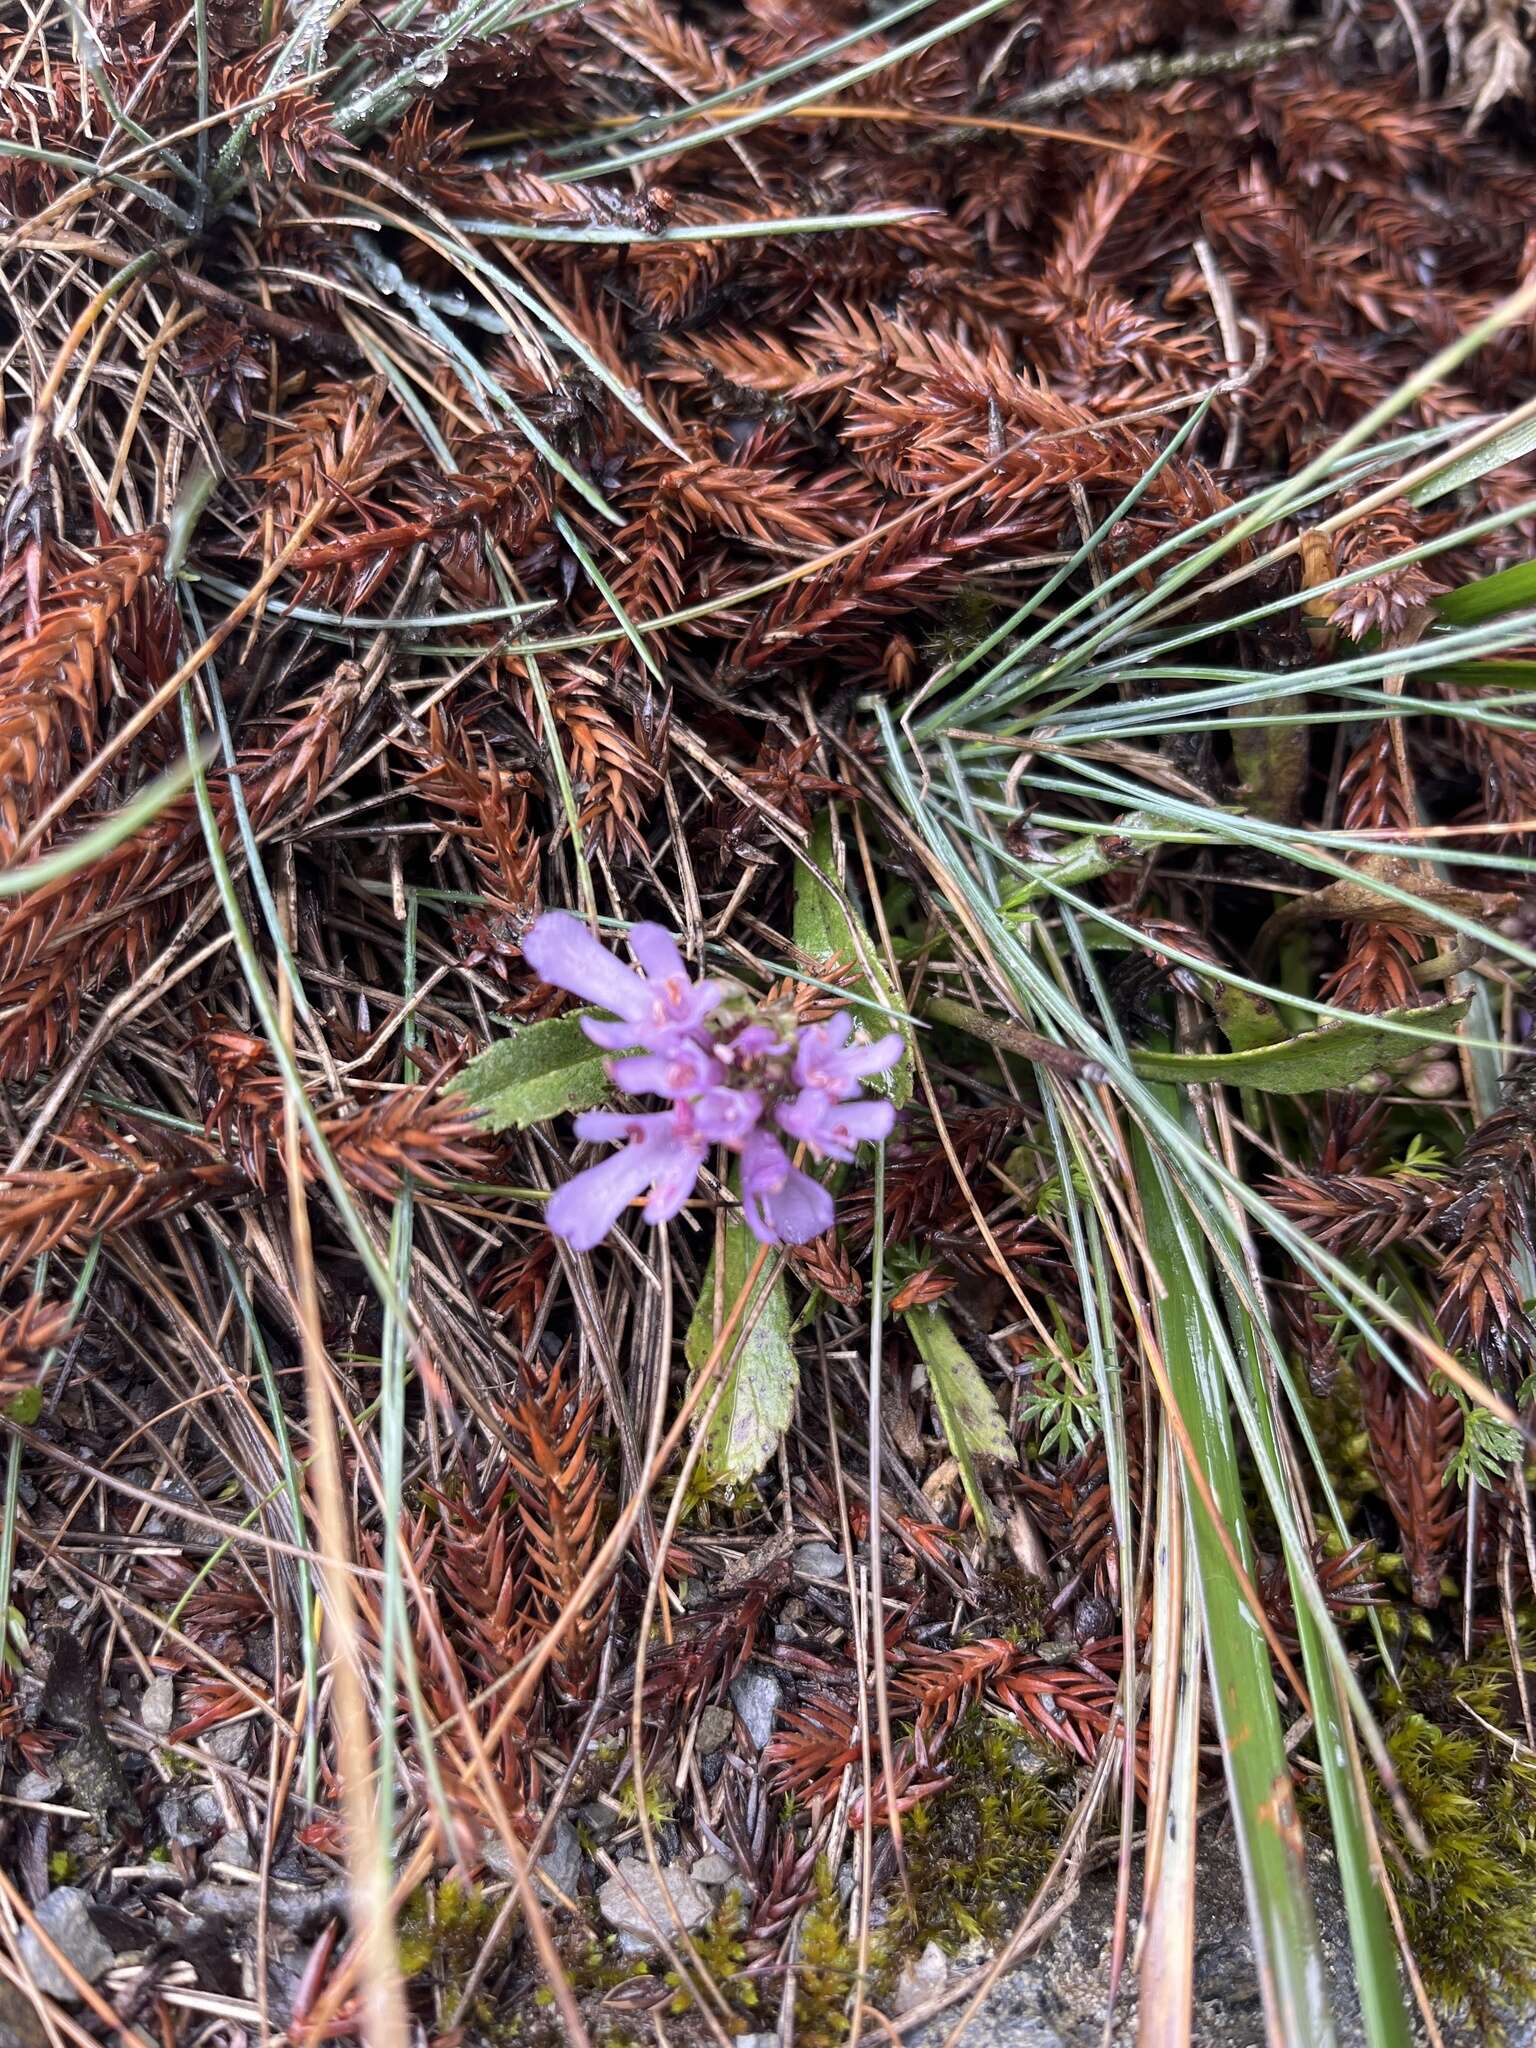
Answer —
1470 1908
826 1968
976 1851
1015 1606
660 1807
441 1930
722 1946
1344 1441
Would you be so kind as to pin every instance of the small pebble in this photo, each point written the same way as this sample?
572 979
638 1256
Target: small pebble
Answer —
633 1903
1436 1080
715 1729
207 1813
714 1869
924 1977
599 1819
42 1785
227 1743
560 1864
181 1827
234 1849
66 1919
157 1707
756 1696
820 1561
562 1859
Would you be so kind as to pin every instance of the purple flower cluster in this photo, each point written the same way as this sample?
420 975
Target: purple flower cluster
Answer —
730 1081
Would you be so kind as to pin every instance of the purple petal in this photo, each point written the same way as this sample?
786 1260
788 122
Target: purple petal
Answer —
802 1209
656 950
824 1061
782 1205
862 1123
617 1037
561 951
755 1041
684 1070
764 1164
686 1004
596 1125
587 1207
807 1115
727 1116
832 1128
674 1184
881 1055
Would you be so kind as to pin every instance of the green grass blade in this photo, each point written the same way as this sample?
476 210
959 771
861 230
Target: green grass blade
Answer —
773 110
1286 1947
1382 2008
89 848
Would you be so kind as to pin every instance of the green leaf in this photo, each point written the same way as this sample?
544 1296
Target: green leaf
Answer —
1498 676
973 1422
828 936
1334 1056
537 1071
1242 1690
1513 445
1509 590
759 1398
1249 1021
1272 759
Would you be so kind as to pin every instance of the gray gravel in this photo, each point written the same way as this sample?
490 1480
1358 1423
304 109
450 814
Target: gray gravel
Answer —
1057 1998
157 1706
636 1906
755 1696
66 1919
715 1730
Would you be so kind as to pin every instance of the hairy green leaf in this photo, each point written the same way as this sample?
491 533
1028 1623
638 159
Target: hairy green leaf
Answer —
1334 1056
759 1397
973 1422
537 1071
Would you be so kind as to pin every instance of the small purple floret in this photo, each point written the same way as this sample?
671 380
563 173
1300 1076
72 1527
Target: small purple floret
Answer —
833 1127
827 1061
782 1205
661 1154
661 1007
728 1083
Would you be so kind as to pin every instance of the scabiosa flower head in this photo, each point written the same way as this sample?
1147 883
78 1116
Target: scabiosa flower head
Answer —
728 1084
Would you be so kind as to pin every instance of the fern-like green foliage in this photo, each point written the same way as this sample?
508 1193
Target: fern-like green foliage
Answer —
1061 1409
1490 1448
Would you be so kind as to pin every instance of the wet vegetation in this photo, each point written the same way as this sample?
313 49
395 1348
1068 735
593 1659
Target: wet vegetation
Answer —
1004 529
